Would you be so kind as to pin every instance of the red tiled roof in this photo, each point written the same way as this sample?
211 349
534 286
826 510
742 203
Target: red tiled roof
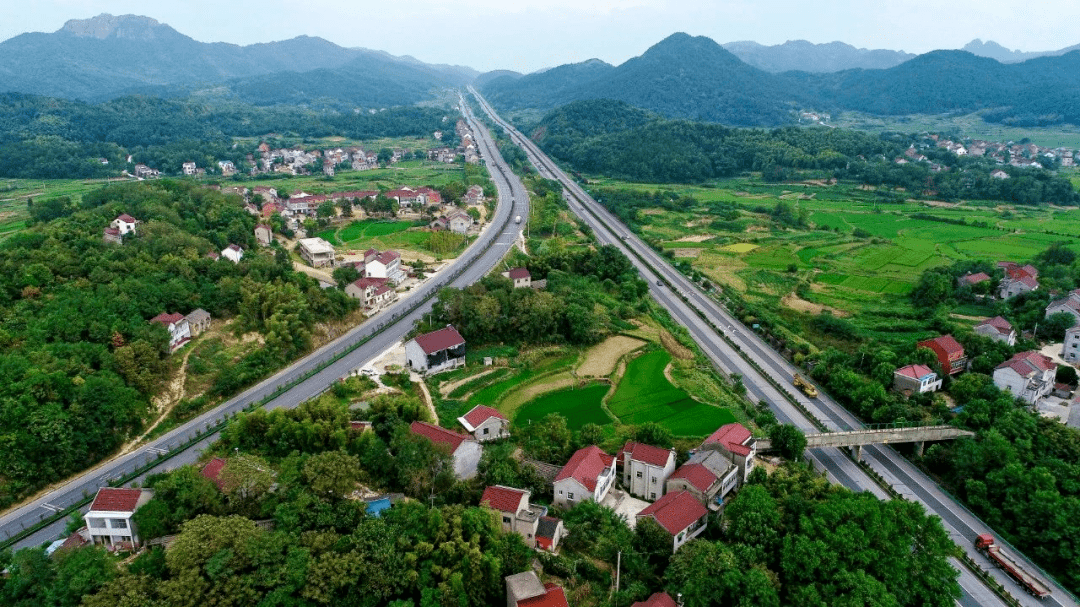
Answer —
439 435
233 247
733 437
503 499
675 511
1029 281
1029 363
945 343
112 231
914 371
585 466
111 499
1003 326
660 599
167 319
124 217
972 279
212 471
437 341
367 282
555 597
697 475
517 273
649 454
480 414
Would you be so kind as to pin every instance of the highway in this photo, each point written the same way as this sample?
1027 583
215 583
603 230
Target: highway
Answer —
717 335
382 330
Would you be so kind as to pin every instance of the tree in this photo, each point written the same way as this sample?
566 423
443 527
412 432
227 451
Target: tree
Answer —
345 275
753 519
332 474
327 210
548 439
789 440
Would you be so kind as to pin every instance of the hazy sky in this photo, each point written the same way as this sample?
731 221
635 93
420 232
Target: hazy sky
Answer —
526 35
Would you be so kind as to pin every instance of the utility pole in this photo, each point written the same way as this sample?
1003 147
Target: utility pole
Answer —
618 570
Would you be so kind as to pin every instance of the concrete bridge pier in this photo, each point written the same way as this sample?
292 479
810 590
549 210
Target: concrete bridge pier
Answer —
919 447
857 449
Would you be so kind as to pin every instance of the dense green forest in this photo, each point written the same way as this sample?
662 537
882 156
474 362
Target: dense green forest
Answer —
614 139
44 137
80 360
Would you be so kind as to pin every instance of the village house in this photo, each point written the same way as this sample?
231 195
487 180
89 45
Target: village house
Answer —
737 444
474 196
212 472
373 293
233 253
1067 305
124 224
1028 376
459 222
143 172
264 235
549 532
189 168
109 520
178 328
971 280
525 590
708 475
916 379
682 516
1018 279
316 252
645 469
436 351
997 329
658 599
1070 349
198 321
515 512
949 352
226 167
485 423
520 276
586 477
464 451
112 236
385 264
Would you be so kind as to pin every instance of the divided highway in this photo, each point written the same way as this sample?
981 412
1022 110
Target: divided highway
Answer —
689 306
381 331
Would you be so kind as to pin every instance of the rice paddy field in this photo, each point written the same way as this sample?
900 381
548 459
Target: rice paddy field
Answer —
579 406
375 233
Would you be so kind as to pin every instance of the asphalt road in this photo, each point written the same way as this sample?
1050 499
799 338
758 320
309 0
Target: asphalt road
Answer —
383 331
911 483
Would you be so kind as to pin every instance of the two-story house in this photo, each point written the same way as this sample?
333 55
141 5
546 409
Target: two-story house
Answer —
645 469
1018 279
997 329
264 235
737 444
1067 305
317 252
680 514
1028 376
384 264
373 293
1070 349
485 423
177 326
949 352
198 321
124 224
464 451
436 351
916 379
109 520
516 513
588 476
709 476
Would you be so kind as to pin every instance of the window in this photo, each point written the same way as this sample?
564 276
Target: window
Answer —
652 496
96 522
118 523
506 519
639 474
654 480
486 430
569 495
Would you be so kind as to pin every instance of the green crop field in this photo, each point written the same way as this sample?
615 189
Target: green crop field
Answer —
579 407
363 231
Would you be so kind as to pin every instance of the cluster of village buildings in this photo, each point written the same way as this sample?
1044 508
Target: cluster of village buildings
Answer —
1012 154
300 161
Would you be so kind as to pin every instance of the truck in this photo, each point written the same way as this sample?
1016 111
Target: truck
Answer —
517 218
985 543
807 387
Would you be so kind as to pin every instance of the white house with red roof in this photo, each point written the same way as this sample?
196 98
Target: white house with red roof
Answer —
109 519
178 327
462 448
373 293
680 514
1028 376
516 513
709 476
1070 348
1067 305
436 351
1018 279
645 469
997 329
520 276
737 444
384 264
525 590
485 423
125 224
916 379
233 253
659 599
588 476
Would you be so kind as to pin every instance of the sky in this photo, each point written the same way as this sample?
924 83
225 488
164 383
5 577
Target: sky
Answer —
526 35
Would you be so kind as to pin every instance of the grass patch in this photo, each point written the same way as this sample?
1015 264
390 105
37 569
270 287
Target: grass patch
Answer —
742 247
579 406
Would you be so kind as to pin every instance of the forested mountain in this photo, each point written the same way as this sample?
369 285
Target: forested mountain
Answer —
997 52
680 77
108 56
800 55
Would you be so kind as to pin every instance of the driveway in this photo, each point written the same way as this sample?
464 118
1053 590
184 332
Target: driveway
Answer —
624 505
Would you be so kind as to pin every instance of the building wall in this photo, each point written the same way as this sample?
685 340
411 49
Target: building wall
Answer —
681 538
466 459
111 528
567 487
496 429
1070 350
645 480
992 333
415 355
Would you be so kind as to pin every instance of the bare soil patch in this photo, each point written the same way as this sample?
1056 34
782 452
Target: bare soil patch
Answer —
695 238
971 318
687 253
795 302
600 360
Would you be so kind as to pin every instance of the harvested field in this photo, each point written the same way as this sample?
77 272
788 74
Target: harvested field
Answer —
688 253
600 360
799 304
695 238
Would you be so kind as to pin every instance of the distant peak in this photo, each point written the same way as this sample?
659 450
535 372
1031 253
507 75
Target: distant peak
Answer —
106 26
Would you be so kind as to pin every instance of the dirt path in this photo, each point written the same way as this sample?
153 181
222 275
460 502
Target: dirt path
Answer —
600 360
427 398
314 273
165 402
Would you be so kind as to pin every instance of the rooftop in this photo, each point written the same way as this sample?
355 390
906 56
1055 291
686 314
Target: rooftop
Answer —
503 499
734 437
585 466
317 246
915 371
659 599
112 499
999 323
1029 363
696 474
439 435
947 343
437 341
675 511
519 273
654 456
478 415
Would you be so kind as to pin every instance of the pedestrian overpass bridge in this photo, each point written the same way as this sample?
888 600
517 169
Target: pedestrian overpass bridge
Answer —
857 438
